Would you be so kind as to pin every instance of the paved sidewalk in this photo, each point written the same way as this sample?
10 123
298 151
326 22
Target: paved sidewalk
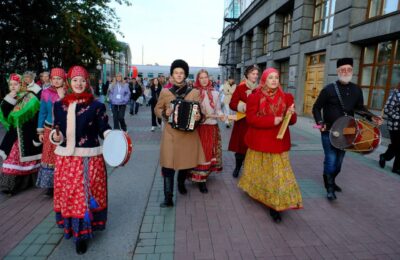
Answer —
364 223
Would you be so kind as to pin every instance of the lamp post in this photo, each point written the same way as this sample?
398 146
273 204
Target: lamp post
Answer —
202 54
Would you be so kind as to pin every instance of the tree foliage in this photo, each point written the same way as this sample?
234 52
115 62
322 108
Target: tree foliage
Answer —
64 32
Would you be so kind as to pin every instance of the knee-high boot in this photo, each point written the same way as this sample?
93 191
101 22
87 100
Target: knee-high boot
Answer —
168 192
330 187
335 186
239 161
181 181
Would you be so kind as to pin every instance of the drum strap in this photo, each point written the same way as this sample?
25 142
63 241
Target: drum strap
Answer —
340 98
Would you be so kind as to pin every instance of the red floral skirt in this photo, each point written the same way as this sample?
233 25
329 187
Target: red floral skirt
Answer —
48 155
13 165
210 138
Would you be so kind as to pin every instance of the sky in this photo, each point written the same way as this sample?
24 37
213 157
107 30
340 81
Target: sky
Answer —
172 29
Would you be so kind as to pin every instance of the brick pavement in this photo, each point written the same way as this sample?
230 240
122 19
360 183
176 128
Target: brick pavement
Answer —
227 224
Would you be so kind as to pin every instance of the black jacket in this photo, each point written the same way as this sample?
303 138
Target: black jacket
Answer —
155 93
136 91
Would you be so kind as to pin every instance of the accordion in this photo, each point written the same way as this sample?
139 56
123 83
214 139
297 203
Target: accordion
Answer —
183 114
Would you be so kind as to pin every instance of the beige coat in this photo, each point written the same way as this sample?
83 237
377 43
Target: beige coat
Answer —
178 149
228 91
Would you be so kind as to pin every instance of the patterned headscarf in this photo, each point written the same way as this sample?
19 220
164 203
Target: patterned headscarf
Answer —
86 96
15 77
58 72
266 106
204 89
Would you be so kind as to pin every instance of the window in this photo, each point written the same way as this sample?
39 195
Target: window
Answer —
284 74
150 75
323 17
382 7
287 29
265 41
379 72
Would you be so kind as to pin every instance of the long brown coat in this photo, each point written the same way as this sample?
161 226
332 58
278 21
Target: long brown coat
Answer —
178 149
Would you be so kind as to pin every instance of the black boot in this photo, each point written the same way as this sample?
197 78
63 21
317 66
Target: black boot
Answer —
81 247
276 216
239 161
49 192
168 192
335 186
203 187
382 161
181 182
330 187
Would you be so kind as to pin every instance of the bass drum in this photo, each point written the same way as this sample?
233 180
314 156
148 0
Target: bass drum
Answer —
117 148
356 135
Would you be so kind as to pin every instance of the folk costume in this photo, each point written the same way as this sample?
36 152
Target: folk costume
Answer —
80 178
45 123
238 104
209 133
20 148
268 176
179 150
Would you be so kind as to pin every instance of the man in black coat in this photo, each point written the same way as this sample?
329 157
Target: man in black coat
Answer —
328 108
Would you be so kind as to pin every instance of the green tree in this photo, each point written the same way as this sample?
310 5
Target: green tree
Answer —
64 32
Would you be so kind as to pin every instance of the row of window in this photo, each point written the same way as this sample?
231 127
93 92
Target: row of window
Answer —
324 17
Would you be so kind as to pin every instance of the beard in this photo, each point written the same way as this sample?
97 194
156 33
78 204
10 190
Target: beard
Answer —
345 79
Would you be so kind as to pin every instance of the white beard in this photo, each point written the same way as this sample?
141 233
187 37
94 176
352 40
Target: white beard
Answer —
345 79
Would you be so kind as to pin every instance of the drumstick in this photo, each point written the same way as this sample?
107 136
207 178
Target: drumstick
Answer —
57 130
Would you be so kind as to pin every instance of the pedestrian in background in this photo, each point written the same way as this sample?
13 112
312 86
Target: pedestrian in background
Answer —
229 88
80 177
155 87
20 148
45 124
136 93
208 130
238 104
268 176
119 97
392 111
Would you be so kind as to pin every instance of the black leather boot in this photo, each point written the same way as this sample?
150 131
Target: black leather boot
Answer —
276 216
168 192
335 186
203 187
181 182
382 161
330 187
239 161
81 247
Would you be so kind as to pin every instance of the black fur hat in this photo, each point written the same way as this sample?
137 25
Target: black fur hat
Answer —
344 61
180 64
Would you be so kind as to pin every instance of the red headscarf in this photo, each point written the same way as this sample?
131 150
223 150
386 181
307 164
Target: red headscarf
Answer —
15 77
86 96
204 89
58 72
273 101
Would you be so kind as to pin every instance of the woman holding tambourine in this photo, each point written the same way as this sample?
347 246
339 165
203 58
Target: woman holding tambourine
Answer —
80 178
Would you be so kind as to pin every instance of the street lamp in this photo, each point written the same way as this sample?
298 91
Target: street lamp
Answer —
202 54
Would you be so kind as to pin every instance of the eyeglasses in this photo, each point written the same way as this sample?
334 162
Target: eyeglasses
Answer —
346 70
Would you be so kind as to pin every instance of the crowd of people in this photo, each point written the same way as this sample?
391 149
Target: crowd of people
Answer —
53 130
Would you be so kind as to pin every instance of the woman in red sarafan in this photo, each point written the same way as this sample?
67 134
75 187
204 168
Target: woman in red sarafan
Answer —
208 130
268 176
238 104
80 178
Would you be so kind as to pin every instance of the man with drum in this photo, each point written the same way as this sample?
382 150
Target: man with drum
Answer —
335 100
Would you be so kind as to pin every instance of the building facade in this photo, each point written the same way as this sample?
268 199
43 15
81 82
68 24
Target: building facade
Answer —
113 66
304 38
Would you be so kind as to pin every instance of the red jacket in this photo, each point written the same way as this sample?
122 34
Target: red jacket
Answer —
261 133
236 143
